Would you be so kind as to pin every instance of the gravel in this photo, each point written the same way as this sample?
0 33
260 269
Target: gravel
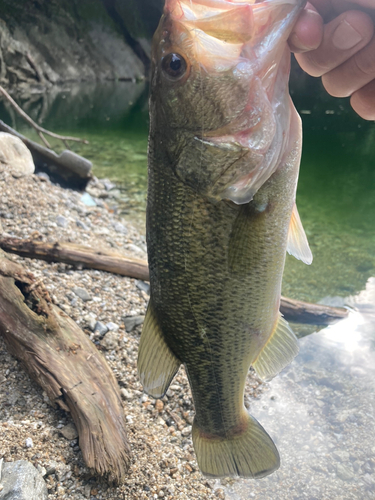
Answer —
159 432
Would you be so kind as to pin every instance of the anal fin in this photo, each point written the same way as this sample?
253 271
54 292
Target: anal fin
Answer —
280 350
157 365
298 246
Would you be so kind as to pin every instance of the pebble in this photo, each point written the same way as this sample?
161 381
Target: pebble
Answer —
62 221
112 327
29 443
69 432
159 405
90 321
120 228
82 225
132 321
100 329
110 340
43 176
82 293
126 394
186 431
88 200
141 285
344 472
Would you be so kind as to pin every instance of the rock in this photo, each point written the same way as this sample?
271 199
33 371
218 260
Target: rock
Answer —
186 431
120 228
141 285
132 321
344 472
82 293
110 340
22 481
15 156
108 184
159 405
62 221
69 432
43 176
29 443
82 225
43 49
100 330
125 394
112 327
87 200
90 321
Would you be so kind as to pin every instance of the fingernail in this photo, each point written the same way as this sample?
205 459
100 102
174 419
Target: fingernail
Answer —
345 37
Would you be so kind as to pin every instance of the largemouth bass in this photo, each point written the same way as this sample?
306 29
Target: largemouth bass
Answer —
224 155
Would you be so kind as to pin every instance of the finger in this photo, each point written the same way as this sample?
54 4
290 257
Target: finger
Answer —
308 31
354 74
343 37
363 101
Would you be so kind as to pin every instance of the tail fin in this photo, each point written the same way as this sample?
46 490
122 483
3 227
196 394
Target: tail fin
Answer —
247 453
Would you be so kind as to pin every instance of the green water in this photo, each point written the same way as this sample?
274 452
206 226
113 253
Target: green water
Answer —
336 192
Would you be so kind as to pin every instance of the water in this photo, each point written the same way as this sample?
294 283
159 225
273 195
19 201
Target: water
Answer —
320 410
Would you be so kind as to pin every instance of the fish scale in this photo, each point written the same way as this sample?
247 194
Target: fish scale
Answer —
215 264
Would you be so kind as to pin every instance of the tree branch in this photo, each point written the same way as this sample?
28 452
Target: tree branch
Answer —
39 129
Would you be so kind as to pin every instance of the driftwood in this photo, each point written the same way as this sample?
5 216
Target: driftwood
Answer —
77 255
311 314
293 310
67 365
67 168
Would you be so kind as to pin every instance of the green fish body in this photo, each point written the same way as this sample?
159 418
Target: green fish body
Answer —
216 262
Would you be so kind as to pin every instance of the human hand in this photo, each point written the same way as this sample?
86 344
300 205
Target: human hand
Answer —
335 39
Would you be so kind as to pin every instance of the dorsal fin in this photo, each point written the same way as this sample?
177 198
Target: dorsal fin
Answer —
298 246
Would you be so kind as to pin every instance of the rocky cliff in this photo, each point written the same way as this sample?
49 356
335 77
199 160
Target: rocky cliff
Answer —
46 42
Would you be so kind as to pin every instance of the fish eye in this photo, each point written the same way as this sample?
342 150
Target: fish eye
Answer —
174 66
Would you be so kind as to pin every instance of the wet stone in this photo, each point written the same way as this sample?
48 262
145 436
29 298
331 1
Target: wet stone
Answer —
22 481
344 473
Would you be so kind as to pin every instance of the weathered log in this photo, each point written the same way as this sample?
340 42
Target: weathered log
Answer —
312 314
67 365
293 310
67 168
77 255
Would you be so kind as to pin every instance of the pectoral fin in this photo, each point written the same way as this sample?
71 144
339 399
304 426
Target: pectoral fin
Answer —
298 246
157 365
280 350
